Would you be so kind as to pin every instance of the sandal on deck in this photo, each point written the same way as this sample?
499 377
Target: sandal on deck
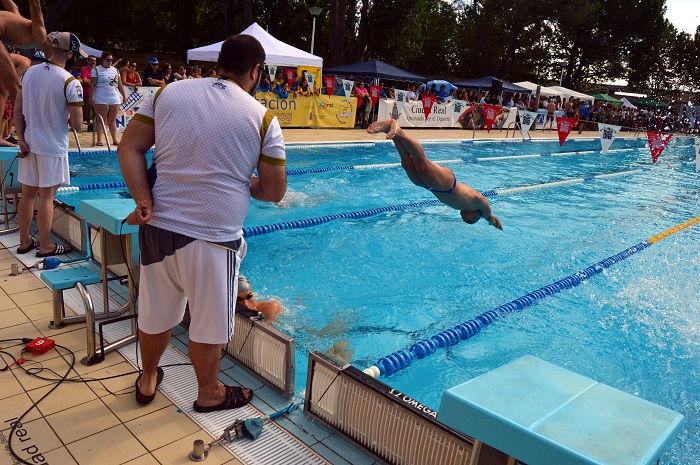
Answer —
142 398
58 250
35 245
235 397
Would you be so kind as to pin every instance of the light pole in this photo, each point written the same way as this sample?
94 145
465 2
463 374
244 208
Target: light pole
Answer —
561 77
315 11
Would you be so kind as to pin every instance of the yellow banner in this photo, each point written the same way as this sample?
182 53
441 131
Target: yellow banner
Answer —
318 111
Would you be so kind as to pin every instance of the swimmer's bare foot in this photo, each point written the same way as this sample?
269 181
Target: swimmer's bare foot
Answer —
395 130
379 126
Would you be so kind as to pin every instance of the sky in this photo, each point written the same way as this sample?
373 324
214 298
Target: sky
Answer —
684 14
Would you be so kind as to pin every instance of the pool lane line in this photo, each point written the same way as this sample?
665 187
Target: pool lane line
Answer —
324 169
401 359
311 222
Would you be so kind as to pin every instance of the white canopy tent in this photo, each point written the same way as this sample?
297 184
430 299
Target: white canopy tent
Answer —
91 51
276 52
566 93
544 91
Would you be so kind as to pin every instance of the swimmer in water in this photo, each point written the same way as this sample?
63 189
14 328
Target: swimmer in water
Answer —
439 180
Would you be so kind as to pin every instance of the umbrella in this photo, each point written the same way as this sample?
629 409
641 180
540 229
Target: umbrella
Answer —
438 82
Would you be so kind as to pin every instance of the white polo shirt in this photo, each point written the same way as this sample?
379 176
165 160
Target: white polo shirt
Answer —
47 92
209 136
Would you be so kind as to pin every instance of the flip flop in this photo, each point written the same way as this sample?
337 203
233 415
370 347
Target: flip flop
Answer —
35 245
58 250
235 398
100 144
143 399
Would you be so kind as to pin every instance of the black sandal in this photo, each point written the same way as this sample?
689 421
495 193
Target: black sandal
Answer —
144 399
35 245
235 398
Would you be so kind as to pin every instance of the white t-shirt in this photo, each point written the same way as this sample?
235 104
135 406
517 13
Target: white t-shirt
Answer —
107 85
47 92
209 136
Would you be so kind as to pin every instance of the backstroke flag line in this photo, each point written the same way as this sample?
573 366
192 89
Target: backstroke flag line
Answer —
273 70
311 80
428 101
329 82
374 92
608 132
527 119
401 97
347 88
657 143
490 113
564 127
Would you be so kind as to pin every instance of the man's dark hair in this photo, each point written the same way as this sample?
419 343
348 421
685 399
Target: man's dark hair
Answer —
240 53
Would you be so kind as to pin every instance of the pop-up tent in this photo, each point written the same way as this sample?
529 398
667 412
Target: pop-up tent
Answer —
544 91
276 52
566 93
374 69
606 98
485 83
91 51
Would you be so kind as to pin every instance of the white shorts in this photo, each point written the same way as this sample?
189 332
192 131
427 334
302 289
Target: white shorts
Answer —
108 99
42 171
176 270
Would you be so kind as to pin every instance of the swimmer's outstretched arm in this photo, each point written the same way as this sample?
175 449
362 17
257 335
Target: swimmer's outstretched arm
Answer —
10 6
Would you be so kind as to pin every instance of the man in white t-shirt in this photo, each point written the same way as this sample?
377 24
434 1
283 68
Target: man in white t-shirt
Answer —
191 204
49 99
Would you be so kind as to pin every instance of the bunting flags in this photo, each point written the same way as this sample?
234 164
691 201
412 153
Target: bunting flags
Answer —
697 154
657 143
329 82
527 119
458 107
564 127
608 132
428 101
374 92
347 88
290 76
490 113
401 98
273 70
311 79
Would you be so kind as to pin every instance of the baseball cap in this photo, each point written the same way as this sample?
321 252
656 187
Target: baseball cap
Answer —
38 56
153 61
67 41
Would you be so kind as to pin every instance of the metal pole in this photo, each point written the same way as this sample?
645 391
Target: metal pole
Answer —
313 35
561 78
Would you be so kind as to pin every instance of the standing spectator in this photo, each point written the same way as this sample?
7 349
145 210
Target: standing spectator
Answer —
50 99
411 96
583 115
85 75
122 69
361 93
106 94
184 258
132 77
441 94
153 75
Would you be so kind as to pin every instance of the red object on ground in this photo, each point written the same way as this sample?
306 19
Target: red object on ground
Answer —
40 345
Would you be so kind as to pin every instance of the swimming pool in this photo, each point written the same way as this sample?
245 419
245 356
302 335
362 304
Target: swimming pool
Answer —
386 281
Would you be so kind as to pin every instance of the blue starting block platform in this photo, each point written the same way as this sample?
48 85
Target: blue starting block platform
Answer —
542 414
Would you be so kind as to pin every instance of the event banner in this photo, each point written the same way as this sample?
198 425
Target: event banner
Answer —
455 114
317 111
134 99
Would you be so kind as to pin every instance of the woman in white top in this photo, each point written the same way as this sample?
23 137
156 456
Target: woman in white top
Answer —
106 94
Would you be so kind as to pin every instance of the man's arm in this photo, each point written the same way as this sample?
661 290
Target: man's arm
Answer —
137 139
19 126
271 184
76 117
10 6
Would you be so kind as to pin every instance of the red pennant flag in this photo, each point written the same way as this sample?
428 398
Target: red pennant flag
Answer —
564 127
374 94
490 113
290 76
428 101
329 81
657 143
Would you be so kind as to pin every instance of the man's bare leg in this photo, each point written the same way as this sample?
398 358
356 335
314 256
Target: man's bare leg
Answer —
25 214
44 218
152 348
421 171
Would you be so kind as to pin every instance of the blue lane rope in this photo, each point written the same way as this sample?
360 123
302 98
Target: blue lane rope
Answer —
403 358
307 223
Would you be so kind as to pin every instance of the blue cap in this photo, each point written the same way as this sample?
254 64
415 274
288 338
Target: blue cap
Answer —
39 56
153 61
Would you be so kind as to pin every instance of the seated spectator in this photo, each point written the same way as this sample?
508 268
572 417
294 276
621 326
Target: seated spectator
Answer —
297 82
168 74
303 88
411 96
283 91
132 77
441 94
153 75
246 297
279 79
181 72
264 85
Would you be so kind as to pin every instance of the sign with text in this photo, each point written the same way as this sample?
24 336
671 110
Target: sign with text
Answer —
322 111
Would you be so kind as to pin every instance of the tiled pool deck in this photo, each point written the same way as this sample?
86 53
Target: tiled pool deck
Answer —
99 422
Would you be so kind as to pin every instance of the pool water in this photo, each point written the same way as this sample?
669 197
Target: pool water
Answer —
384 282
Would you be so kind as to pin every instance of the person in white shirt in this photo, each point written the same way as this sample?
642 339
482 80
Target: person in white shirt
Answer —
106 94
49 99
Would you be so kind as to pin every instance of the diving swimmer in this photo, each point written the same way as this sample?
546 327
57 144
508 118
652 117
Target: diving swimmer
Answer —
439 180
